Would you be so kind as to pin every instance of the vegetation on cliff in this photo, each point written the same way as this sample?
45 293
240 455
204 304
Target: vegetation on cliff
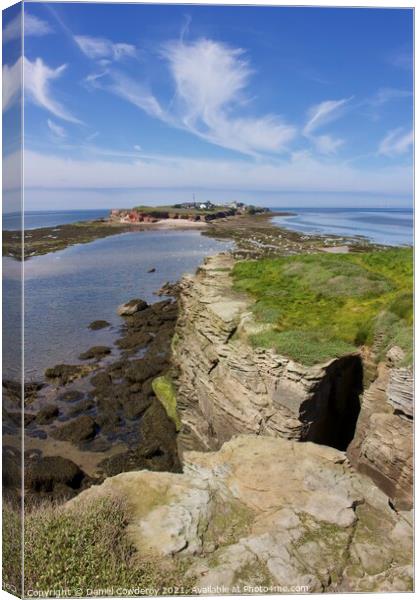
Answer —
84 546
315 307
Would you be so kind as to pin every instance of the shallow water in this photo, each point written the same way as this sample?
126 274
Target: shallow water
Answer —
66 290
51 218
393 227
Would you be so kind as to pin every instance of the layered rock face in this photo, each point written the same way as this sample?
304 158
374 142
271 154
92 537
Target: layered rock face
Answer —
383 443
266 514
225 387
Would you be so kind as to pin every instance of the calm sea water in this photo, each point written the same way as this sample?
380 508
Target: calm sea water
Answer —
66 290
36 219
390 226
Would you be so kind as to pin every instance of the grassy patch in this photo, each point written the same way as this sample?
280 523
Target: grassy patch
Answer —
12 546
84 547
321 306
166 394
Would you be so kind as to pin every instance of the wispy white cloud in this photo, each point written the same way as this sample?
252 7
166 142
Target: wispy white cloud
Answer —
385 95
326 144
402 59
33 26
37 78
320 115
36 26
133 92
396 142
57 130
324 113
12 83
92 136
13 30
102 48
211 80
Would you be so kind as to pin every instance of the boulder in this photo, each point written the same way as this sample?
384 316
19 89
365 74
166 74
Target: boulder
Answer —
131 307
81 429
99 324
53 475
47 414
63 374
96 352
71 396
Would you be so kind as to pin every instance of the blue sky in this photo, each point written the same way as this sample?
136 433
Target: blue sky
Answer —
276 106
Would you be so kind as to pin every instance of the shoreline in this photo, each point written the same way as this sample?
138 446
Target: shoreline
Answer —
44 240
139 344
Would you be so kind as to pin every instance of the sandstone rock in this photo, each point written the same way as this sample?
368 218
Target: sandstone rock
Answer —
131 307
267 511
400 391
383 444
225 387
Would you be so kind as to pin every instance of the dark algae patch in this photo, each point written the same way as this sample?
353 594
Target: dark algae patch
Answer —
319 306
50 239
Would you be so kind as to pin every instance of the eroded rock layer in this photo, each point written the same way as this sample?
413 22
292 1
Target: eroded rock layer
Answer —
383 443
225 387
267 512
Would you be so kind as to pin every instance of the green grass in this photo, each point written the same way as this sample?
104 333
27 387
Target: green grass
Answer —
85 547
324 305
12 546
158 210
166 394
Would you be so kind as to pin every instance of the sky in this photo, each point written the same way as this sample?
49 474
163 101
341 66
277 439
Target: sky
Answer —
277 106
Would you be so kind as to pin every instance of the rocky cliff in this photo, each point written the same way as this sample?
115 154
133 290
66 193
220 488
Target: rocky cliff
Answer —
226 387
266 514
383 443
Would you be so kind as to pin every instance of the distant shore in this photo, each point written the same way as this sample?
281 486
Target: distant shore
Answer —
51 239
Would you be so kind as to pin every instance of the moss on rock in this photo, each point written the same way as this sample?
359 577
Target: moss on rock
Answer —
166 394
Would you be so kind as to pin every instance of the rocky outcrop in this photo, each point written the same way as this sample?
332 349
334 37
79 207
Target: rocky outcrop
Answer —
225 387
266 514
383 443
131 307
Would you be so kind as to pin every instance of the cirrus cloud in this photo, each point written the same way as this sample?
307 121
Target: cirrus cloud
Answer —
396 142
102 48
210 81
37 77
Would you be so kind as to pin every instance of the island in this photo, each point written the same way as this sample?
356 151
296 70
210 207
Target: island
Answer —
122 220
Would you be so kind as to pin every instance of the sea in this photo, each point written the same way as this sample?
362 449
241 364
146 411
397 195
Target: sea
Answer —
389 226
67 289
51 218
